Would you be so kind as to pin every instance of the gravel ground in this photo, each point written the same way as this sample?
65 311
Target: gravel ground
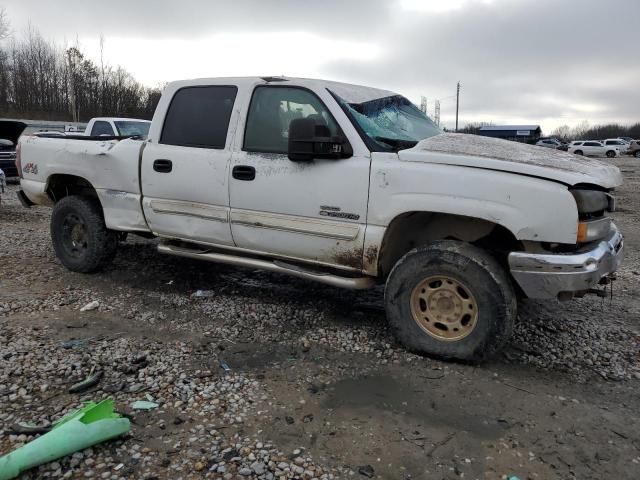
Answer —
317 387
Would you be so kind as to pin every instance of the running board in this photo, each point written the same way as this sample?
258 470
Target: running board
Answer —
353 283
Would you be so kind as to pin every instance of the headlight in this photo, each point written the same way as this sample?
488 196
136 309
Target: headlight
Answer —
590 202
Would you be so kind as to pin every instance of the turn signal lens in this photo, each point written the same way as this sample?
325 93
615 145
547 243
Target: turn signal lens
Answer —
593 230
582 232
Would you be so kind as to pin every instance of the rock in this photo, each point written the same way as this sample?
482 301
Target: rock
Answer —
367 471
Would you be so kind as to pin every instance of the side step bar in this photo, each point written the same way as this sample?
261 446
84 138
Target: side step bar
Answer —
353 283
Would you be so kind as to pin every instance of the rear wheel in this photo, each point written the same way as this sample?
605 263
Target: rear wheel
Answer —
578 152
637 154
451 300
79 235
611 153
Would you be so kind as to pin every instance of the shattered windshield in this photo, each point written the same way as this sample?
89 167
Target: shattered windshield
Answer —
126 129
392 123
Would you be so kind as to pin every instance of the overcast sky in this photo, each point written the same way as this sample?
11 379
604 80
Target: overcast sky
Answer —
548 62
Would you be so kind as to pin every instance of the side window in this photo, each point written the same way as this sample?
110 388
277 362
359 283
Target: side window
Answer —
271 111
101 128
199 117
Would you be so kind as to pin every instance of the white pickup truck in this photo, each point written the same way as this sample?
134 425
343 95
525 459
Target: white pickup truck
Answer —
347 185
114 127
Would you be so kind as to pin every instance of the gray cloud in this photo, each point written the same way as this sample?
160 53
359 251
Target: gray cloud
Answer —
513 57
527 59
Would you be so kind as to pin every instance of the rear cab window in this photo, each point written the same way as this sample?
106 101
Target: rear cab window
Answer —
101 127
199 116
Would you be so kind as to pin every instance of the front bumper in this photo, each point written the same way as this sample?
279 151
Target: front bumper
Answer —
8 165
549 275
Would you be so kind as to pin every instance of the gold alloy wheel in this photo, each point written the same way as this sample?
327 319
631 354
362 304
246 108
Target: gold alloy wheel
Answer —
444 308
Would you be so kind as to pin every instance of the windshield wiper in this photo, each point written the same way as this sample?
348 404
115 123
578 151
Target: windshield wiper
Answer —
397 144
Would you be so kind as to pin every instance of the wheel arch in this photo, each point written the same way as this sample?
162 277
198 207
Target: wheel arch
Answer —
60 185
417 228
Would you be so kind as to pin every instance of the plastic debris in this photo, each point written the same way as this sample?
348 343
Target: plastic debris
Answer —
94 423
27 429
367 471
224 366
203 293
76 342
144 405
90 306
91 381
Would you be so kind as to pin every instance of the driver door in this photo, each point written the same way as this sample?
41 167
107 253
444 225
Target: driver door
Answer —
313 211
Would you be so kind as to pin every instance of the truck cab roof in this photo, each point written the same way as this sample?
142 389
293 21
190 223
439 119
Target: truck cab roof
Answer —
348 92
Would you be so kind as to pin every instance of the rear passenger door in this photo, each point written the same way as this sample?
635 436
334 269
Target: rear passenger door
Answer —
593 149
185 170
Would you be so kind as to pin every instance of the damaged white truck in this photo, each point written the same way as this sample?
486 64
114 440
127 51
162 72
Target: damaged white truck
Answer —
346 185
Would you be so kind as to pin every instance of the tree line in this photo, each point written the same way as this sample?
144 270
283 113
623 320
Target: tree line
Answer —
41 80
582 131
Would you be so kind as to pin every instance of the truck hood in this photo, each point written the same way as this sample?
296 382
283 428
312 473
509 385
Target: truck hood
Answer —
503 155
11 130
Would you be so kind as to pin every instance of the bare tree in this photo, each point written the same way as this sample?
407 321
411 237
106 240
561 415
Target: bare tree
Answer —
5 26
563 132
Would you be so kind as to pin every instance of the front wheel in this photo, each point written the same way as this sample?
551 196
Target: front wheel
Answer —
79 235
578 152
451 300
611 154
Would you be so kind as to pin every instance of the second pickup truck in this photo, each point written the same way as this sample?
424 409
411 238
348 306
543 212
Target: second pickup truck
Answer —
342 184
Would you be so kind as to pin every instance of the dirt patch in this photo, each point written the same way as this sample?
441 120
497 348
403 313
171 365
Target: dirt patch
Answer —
316 379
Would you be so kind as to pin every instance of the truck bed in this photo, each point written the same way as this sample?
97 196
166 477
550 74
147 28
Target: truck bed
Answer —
110 164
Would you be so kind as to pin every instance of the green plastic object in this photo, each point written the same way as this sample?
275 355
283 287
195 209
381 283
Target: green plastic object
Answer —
92 424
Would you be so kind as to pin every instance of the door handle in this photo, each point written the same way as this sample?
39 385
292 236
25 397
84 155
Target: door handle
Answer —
244 172
162 165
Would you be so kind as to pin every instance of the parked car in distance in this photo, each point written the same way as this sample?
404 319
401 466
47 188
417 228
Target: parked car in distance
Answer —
626 139
10 131
549 143
346 185
117 127
592 148
622 145
634 148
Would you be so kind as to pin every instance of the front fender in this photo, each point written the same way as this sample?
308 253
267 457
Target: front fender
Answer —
531 208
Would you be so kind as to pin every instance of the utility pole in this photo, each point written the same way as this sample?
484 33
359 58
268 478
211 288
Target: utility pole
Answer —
436 115
457 104
423 104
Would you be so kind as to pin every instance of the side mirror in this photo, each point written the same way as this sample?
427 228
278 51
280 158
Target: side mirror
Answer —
310 138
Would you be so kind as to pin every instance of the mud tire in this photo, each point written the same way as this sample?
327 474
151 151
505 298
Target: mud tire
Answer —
98 244
480 272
